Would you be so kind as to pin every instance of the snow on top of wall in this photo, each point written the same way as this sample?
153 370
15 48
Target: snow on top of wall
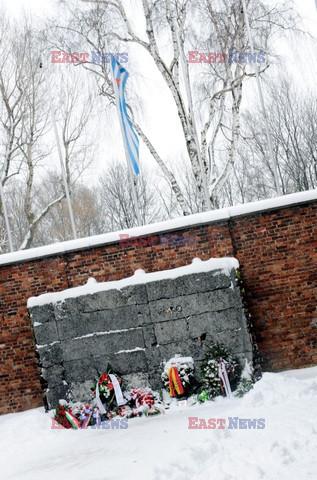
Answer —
184 362
225 264
160 227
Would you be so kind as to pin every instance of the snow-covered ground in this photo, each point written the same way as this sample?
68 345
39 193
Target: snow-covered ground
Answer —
163 447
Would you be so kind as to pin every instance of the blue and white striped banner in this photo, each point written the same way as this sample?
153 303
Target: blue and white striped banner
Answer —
130 137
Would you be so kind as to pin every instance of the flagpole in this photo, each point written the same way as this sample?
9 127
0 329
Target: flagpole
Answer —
6 218
130 172
69 203
268 136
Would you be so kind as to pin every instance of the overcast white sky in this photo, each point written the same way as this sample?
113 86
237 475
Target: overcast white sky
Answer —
162 125
308 8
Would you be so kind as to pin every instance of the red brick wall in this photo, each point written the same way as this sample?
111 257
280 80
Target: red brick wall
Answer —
277 252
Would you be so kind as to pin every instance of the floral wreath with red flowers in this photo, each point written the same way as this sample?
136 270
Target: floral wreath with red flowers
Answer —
60 414
106 388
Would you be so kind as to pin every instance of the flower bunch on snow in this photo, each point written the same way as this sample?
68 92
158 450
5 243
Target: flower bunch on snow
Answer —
210 369
143 399
246 382
125 411
60 414
185 369
244 386
140 401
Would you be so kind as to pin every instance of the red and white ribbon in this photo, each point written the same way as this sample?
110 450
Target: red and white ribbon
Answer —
117 390
223 375
72 420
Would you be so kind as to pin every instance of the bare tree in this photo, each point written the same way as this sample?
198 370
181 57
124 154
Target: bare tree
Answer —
23 118
12 99
74 111
86 206
76 117
223 29
293 123
36 123
26 149
3 235
116 199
